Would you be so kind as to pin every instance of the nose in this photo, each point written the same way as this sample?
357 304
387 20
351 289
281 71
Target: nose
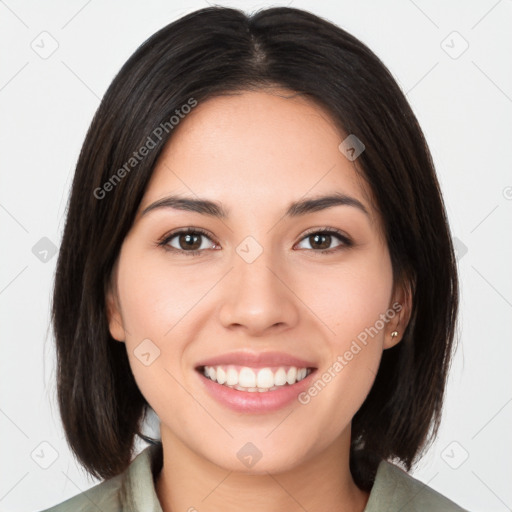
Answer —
258 298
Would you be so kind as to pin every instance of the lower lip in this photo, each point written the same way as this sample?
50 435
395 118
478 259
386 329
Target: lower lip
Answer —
257 401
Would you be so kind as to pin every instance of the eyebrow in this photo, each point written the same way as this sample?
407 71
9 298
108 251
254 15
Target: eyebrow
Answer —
295 209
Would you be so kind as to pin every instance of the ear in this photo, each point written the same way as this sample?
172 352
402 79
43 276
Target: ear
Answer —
115 320
401 304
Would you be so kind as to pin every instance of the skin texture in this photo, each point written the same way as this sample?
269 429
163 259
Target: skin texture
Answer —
255 152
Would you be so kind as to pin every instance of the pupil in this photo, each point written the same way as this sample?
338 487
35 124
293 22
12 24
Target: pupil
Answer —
191 240
327 238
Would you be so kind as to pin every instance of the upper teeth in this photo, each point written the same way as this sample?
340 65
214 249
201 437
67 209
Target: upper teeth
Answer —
257 379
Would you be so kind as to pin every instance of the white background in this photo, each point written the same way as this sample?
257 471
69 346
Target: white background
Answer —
464 105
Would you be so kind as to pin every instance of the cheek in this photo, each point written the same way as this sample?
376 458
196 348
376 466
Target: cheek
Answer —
354 303
351 298
153 304
169 305
156 296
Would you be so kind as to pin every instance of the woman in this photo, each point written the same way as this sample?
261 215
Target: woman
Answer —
256 249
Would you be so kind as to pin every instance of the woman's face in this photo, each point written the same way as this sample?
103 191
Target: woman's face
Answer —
258 301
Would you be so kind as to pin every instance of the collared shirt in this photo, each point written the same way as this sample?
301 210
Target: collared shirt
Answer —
134 491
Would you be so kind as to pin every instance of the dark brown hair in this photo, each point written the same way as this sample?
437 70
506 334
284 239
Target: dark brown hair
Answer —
216 51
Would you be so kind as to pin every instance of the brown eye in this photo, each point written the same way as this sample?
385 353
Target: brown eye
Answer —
321 241
189 241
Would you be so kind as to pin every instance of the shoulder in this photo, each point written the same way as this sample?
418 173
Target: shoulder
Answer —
394 489
104 496
131 490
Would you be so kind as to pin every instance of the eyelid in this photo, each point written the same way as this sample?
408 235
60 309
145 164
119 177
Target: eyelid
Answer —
164 240
326 229
345 240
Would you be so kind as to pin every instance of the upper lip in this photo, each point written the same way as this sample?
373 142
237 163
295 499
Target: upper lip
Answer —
257 360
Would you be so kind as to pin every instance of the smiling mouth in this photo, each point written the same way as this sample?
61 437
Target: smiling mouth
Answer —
244 378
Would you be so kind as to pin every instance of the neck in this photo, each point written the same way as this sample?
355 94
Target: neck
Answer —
188 482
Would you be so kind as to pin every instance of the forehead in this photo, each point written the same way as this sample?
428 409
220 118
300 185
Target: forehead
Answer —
256 149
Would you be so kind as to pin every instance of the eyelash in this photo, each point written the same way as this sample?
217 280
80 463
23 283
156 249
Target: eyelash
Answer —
164 241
